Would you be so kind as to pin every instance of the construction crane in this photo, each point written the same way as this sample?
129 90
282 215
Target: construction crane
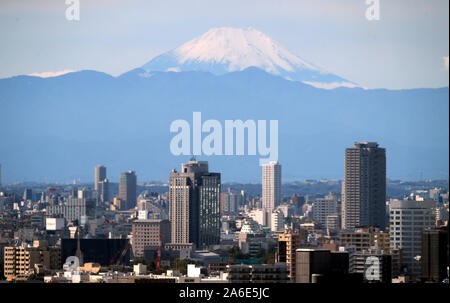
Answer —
124 251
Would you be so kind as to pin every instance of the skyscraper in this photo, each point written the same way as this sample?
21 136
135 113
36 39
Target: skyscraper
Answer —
194 204
100 175
271 185
127 189
364 187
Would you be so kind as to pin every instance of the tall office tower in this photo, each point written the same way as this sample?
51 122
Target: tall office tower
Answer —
100 175
364 187
104 191
194 204
127 189
271 185
408 218
435 254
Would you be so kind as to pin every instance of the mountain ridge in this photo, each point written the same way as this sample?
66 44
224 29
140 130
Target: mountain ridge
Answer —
61 127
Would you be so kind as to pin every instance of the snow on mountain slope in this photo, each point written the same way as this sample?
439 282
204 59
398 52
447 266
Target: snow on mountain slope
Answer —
223 50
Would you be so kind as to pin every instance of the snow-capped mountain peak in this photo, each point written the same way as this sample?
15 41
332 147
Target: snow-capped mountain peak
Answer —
239 49
226 49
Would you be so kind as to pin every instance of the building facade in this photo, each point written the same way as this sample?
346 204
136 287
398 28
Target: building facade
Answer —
104 191
20 261
408 218
100 175
364 238
73 209
194 205
146 235
364 186
261 273
324 207
435 254
128 189
288 243
271 185
315 265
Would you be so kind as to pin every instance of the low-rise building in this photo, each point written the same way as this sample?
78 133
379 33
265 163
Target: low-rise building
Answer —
258 273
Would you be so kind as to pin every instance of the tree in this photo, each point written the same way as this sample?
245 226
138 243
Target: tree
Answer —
261 253
236 253
269 256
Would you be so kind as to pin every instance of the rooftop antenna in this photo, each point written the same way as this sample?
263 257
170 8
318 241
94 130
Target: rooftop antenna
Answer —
78 253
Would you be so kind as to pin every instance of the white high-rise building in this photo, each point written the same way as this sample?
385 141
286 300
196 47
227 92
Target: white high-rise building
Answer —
271 185
407 220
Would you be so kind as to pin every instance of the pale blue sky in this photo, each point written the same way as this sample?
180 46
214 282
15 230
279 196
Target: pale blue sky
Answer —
405 49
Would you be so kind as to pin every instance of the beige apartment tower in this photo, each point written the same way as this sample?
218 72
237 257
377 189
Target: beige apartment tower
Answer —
288 243
21 262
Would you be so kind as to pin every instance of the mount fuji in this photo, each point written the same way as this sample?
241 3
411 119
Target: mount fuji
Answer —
223 50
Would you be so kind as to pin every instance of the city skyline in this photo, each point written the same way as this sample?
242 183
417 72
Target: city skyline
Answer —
187 220
256 180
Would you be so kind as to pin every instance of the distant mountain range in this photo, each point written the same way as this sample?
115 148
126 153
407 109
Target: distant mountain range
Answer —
223 50
58 129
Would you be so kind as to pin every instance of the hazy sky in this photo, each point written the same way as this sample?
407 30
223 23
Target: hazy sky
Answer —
406 48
